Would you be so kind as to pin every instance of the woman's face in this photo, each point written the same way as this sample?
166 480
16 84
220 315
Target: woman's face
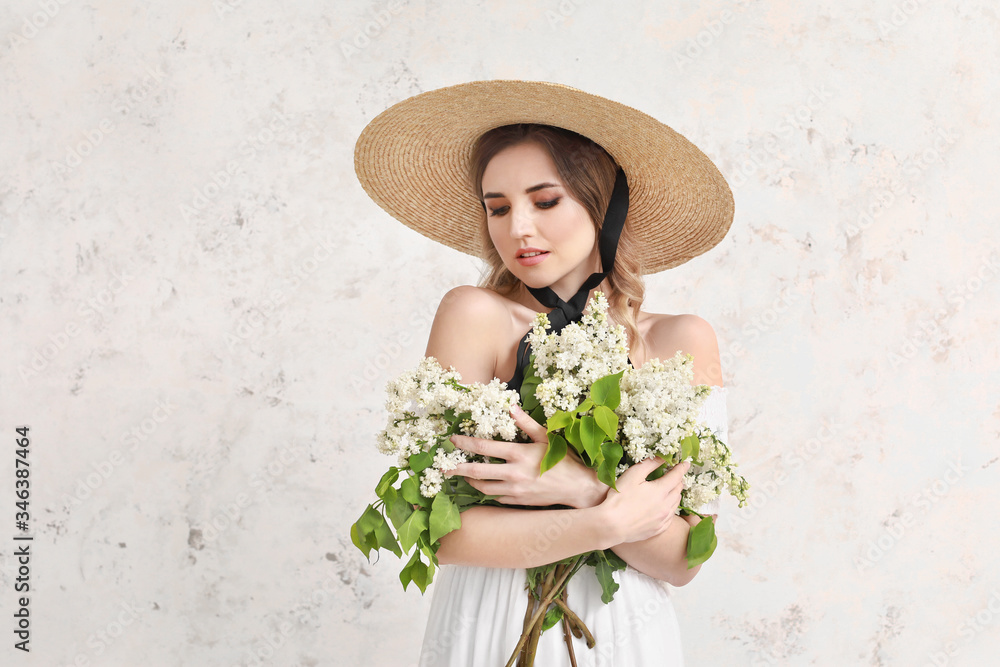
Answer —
544 236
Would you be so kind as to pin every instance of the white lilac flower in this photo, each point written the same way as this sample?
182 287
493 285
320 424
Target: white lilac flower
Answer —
416 403
430 482
569 361
445 461
659 407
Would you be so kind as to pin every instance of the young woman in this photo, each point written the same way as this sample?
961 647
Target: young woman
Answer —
559 217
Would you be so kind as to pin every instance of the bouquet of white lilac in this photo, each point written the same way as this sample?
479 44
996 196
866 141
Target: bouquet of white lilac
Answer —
580 385
426 406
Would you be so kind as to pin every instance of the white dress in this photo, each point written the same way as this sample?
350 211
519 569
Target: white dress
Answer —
477 613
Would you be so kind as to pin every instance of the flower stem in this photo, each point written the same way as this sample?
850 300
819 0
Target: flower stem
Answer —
578 625
691 511
569 640
535 623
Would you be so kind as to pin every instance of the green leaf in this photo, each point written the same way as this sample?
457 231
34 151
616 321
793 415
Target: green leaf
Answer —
363 541
528 386
444 517
537 413
429 550
386 540
462 493
370 520
388 479
422 575
528 400
616 561
536 576
658 472
405 575
561 419
531 371
607 468
701 542
607 420
410 488
421 461
573 435
552 616
410 531
611 453
585 406
532 575
417 572
462 487
690 446
399 510
555 452
607 391
591 436
609 586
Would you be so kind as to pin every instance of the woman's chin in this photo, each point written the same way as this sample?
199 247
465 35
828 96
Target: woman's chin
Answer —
532 280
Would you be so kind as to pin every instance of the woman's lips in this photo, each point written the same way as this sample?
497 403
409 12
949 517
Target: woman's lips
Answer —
533 259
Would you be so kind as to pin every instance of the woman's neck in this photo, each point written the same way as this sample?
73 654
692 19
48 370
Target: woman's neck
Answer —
526 298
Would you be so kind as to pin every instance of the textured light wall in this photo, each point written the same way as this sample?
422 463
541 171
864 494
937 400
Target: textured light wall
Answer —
200 307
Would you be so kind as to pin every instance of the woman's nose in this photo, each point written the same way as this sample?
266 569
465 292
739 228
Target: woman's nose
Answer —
522 222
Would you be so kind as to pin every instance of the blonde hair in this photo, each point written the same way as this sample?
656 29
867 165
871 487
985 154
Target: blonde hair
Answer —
588 173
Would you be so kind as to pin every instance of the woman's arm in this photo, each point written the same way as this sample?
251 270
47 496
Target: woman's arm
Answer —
508 537
665 555
513 538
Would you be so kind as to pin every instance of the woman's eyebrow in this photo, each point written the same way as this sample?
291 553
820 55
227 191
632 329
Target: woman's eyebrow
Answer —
528 191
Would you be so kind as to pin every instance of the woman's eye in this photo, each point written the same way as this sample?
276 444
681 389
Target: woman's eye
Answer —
502 210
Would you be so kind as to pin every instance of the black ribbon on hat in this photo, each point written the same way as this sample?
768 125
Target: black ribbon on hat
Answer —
565 312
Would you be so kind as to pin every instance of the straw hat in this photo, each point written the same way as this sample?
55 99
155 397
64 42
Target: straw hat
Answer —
413 159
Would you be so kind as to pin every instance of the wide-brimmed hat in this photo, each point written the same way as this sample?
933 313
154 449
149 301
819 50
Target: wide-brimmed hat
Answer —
413 160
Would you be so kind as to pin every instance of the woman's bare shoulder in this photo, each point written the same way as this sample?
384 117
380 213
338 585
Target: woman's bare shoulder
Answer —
665 335
476 301
470 324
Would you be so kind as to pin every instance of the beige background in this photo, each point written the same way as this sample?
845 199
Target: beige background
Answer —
200 308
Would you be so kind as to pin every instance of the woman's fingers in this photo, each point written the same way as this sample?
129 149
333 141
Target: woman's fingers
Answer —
637 474
480 471
676 474
532 429
642 468
493 448
488 487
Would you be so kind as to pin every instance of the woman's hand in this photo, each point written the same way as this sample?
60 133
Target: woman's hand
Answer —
517 481
640 509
